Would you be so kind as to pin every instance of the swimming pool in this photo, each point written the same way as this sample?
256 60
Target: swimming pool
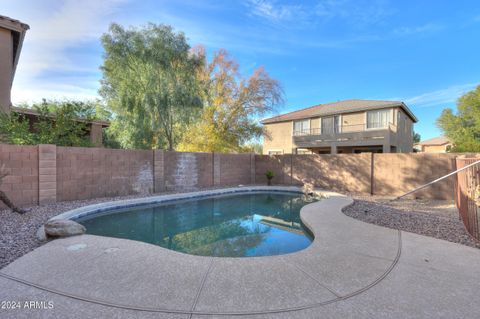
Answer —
234 225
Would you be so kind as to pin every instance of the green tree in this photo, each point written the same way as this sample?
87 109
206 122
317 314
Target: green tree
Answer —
463 128
232 106
150 84
62 123
416 137
253 147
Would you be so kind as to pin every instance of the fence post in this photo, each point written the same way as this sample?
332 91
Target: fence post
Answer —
291 169
158 171
372 173
252 168
216 169
47 174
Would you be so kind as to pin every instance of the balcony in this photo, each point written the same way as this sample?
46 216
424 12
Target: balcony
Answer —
346 135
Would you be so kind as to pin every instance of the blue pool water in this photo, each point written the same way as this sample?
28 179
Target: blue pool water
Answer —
239 225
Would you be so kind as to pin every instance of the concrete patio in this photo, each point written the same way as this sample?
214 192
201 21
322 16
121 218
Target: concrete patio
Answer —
351 270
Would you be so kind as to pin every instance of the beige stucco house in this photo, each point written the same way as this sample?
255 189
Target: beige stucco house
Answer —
440 144
12 33
350 126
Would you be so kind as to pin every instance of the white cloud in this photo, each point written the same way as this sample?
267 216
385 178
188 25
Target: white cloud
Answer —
423 29
54 31
54 91
273 11
356 12
444 96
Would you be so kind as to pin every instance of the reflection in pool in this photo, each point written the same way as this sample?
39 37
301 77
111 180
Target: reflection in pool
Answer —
241 225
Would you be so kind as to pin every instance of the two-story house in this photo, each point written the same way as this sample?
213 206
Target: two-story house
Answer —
350 126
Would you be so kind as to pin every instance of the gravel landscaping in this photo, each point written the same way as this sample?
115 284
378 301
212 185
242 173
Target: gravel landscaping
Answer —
434 218
18 232
437 219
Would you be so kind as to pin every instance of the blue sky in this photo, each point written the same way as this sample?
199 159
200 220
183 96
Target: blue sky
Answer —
425 53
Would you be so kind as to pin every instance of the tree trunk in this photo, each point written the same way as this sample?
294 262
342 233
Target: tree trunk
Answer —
8 202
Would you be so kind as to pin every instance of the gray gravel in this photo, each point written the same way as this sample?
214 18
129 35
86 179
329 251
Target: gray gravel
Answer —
18 232
434 218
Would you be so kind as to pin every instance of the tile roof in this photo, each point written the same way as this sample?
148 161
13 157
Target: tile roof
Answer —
339 107
440 140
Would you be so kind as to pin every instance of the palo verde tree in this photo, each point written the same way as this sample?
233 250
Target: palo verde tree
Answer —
232 106
150 84
463 128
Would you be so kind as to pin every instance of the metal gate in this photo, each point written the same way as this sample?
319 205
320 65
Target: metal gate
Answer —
467 194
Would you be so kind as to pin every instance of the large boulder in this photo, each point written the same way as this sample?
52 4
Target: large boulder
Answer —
63 228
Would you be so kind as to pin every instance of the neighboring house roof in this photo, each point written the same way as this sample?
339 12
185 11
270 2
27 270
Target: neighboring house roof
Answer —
440 140
339 107
18 31
32 112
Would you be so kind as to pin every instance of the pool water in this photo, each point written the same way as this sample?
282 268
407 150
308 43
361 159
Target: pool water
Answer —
241 225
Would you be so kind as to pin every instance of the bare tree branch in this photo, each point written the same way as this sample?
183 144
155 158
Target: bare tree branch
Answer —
4 198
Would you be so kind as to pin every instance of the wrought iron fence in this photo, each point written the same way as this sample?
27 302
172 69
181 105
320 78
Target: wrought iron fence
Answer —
467 194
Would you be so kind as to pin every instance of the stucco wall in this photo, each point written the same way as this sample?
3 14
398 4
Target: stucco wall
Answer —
435 148
279 137
353 122
6 52
403 127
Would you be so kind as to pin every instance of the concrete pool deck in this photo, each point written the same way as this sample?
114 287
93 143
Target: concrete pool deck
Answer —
351 270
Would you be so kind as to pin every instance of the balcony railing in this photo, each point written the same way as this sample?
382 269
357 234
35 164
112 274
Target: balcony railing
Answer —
331 131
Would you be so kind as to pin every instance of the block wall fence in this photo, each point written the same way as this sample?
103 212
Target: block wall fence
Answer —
47 173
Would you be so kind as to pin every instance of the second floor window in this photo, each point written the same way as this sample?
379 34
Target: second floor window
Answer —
301 127
331 124
378 119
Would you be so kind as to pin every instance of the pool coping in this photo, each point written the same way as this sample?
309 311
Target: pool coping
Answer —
93 209
160 199
332 206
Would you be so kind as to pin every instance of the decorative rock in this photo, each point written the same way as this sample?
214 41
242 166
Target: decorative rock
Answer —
63 228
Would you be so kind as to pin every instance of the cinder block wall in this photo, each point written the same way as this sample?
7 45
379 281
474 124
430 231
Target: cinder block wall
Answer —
395 174
21 163
347 172
187 171
47 173
379 174
280 165
234 169
84 173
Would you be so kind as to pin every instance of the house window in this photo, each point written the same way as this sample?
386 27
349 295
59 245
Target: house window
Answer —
301 127
302 151
378 119
331 124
